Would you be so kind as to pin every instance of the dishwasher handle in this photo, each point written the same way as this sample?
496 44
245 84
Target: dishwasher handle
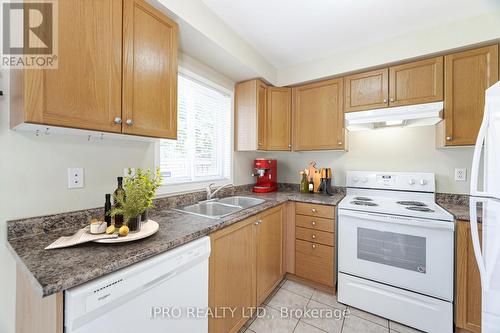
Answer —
159 280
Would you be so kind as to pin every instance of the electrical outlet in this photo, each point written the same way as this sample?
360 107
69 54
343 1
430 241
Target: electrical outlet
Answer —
460 174
76 178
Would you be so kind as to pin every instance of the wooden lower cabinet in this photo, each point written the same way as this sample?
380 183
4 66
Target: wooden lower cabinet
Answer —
232 279
34 313
467 281
269 252
245 266
315 244
315 262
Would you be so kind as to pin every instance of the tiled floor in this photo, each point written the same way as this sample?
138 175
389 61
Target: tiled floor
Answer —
325 314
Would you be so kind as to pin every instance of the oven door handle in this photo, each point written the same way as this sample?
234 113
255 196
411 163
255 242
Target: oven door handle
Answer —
421 223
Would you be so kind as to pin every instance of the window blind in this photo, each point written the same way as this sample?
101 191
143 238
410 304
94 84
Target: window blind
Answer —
203 149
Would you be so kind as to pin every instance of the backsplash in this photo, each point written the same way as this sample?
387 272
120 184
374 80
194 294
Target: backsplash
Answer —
71 220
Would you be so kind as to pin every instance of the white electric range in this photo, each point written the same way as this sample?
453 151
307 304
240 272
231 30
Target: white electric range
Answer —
396 249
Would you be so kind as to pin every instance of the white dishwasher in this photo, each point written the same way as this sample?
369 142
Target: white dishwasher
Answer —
166 293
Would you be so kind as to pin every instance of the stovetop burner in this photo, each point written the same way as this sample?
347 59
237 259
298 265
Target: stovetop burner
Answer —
420 209
364 203
412 203
362 199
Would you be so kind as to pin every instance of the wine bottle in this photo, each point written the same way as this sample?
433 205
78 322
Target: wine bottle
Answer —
119 192
107 209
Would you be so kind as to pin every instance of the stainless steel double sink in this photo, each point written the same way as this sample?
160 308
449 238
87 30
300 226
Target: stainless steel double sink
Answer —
218 208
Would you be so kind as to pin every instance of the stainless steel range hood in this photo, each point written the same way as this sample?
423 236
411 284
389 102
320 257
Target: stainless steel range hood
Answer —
412 115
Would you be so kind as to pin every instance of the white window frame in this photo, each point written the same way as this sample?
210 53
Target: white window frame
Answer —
178 188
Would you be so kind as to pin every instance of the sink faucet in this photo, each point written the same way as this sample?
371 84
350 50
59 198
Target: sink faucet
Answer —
211 194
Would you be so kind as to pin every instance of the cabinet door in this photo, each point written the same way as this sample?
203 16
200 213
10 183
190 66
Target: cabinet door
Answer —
468 281
319 116
261 115
467 75
416 82
279 119
269 252
85 91
149 71
366 91
232 275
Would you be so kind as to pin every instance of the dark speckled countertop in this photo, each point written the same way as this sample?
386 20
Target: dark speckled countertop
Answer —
457 205
52 271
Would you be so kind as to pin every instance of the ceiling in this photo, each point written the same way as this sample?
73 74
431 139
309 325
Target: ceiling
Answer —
290 32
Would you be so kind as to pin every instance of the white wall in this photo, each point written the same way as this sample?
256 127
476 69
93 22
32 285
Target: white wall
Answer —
396 149
448 36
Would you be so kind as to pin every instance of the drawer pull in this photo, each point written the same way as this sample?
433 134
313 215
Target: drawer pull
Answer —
313 236
313 223
314 246
313 210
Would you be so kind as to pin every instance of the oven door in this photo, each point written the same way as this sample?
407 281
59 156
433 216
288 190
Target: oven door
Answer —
414 254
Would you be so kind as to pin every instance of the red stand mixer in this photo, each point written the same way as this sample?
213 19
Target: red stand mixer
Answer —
266 171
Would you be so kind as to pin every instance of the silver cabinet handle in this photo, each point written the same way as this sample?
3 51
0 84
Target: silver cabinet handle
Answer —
313 223
258 222
290 146
313 236
129 122
314 246
449 138
392 99
118 120
340 143
385 100
313 210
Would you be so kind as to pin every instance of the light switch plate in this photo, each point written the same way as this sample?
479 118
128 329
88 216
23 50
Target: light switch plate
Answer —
460 174
76 178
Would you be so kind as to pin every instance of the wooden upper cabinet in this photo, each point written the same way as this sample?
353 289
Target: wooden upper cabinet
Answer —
250 115
416 82
149 71
269 252
261 115
468 281
85 91
369 90
467 75
117 72
232 275
319 116
279 119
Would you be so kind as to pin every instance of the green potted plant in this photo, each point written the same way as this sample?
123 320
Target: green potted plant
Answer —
151 182
140 189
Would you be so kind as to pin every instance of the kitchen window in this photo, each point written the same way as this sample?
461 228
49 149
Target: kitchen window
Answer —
202 153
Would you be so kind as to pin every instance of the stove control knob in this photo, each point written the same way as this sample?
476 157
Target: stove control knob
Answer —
364 180
411 181
423 182
355 179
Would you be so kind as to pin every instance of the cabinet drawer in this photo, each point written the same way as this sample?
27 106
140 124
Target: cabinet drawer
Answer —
315 262
315 210
316 223
316 236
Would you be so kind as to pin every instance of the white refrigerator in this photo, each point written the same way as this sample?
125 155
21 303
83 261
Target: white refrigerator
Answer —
488 197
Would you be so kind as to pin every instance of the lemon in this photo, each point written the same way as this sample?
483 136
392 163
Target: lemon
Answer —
123 231
110 230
